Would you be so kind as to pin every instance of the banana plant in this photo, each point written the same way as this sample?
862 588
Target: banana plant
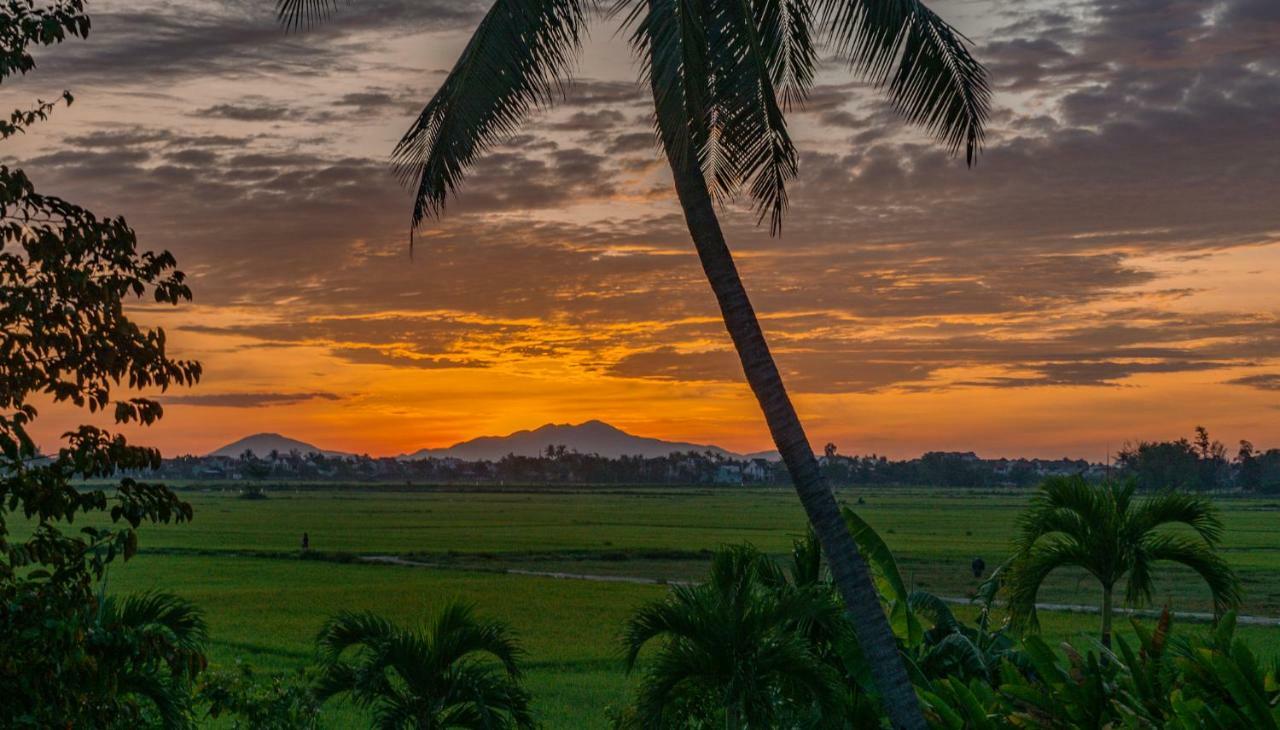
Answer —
888 579
1224 684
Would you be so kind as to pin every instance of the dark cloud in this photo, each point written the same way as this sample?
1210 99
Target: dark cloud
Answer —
632 142
599 120
589 92
1126 130
260 112
155 42
245 400
1262 381
371 356
1093 374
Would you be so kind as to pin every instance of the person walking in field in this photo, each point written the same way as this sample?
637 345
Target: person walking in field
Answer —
306 542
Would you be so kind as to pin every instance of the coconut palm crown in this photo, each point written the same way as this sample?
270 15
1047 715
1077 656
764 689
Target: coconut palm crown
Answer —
1114 536
723 75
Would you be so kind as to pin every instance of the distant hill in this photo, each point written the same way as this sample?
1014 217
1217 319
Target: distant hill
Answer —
592 437
261 444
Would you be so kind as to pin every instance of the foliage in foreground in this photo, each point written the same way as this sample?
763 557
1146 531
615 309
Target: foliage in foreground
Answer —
1115 536
461 672
68 658
132 663
247 700
726 655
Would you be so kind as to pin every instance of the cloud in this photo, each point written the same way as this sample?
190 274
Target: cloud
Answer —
1125 133
373 356
260 112
1091 373
245 400
1262 381
151 42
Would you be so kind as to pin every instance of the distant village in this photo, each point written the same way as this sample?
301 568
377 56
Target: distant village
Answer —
561 465
1200 464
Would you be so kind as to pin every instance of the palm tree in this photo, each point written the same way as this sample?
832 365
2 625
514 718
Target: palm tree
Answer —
147 649
737 649
443 678
1107 532
723 74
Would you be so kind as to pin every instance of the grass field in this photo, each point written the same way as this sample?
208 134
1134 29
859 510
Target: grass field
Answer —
240 561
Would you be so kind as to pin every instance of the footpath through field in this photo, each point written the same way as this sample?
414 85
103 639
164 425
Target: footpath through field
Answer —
1200 616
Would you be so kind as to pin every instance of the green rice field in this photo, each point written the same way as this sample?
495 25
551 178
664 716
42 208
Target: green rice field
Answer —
240 560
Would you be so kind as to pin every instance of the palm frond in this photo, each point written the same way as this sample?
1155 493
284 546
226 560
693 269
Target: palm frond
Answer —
754 125
458 633
921 61
1140 582
787 27
162 694
407 678
180 620
670 616
1066 505
670 38
295 14
518 59
1212 569
349 629
1179 508
806 560
1028 571
715 67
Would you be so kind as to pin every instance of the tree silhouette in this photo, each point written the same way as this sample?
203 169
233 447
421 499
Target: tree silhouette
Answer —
66 337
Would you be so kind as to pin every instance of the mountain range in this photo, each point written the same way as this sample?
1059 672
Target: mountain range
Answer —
591 437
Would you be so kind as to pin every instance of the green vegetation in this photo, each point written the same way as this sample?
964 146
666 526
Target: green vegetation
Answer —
68 658
745 648
265 601
433 679
1114 536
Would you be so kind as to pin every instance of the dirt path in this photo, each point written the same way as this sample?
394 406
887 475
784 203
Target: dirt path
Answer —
1197 616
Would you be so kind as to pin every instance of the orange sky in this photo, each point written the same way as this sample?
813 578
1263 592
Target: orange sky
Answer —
1106 273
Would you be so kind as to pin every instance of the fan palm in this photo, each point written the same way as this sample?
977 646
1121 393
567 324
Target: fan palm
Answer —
1113 536
723 74
737 649
446 677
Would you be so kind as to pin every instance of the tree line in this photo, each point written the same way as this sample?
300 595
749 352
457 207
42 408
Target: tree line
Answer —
1198 464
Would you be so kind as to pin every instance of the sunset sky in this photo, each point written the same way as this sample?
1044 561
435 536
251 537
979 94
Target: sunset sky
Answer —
1107 272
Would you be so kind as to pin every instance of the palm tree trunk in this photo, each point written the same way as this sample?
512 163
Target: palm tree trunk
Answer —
848 569
1106 616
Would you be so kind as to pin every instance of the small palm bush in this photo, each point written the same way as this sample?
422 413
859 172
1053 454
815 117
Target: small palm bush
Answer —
461 672
146 650
737 650
1107 531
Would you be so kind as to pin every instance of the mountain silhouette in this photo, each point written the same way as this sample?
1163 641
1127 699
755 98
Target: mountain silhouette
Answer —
262 444
592 437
